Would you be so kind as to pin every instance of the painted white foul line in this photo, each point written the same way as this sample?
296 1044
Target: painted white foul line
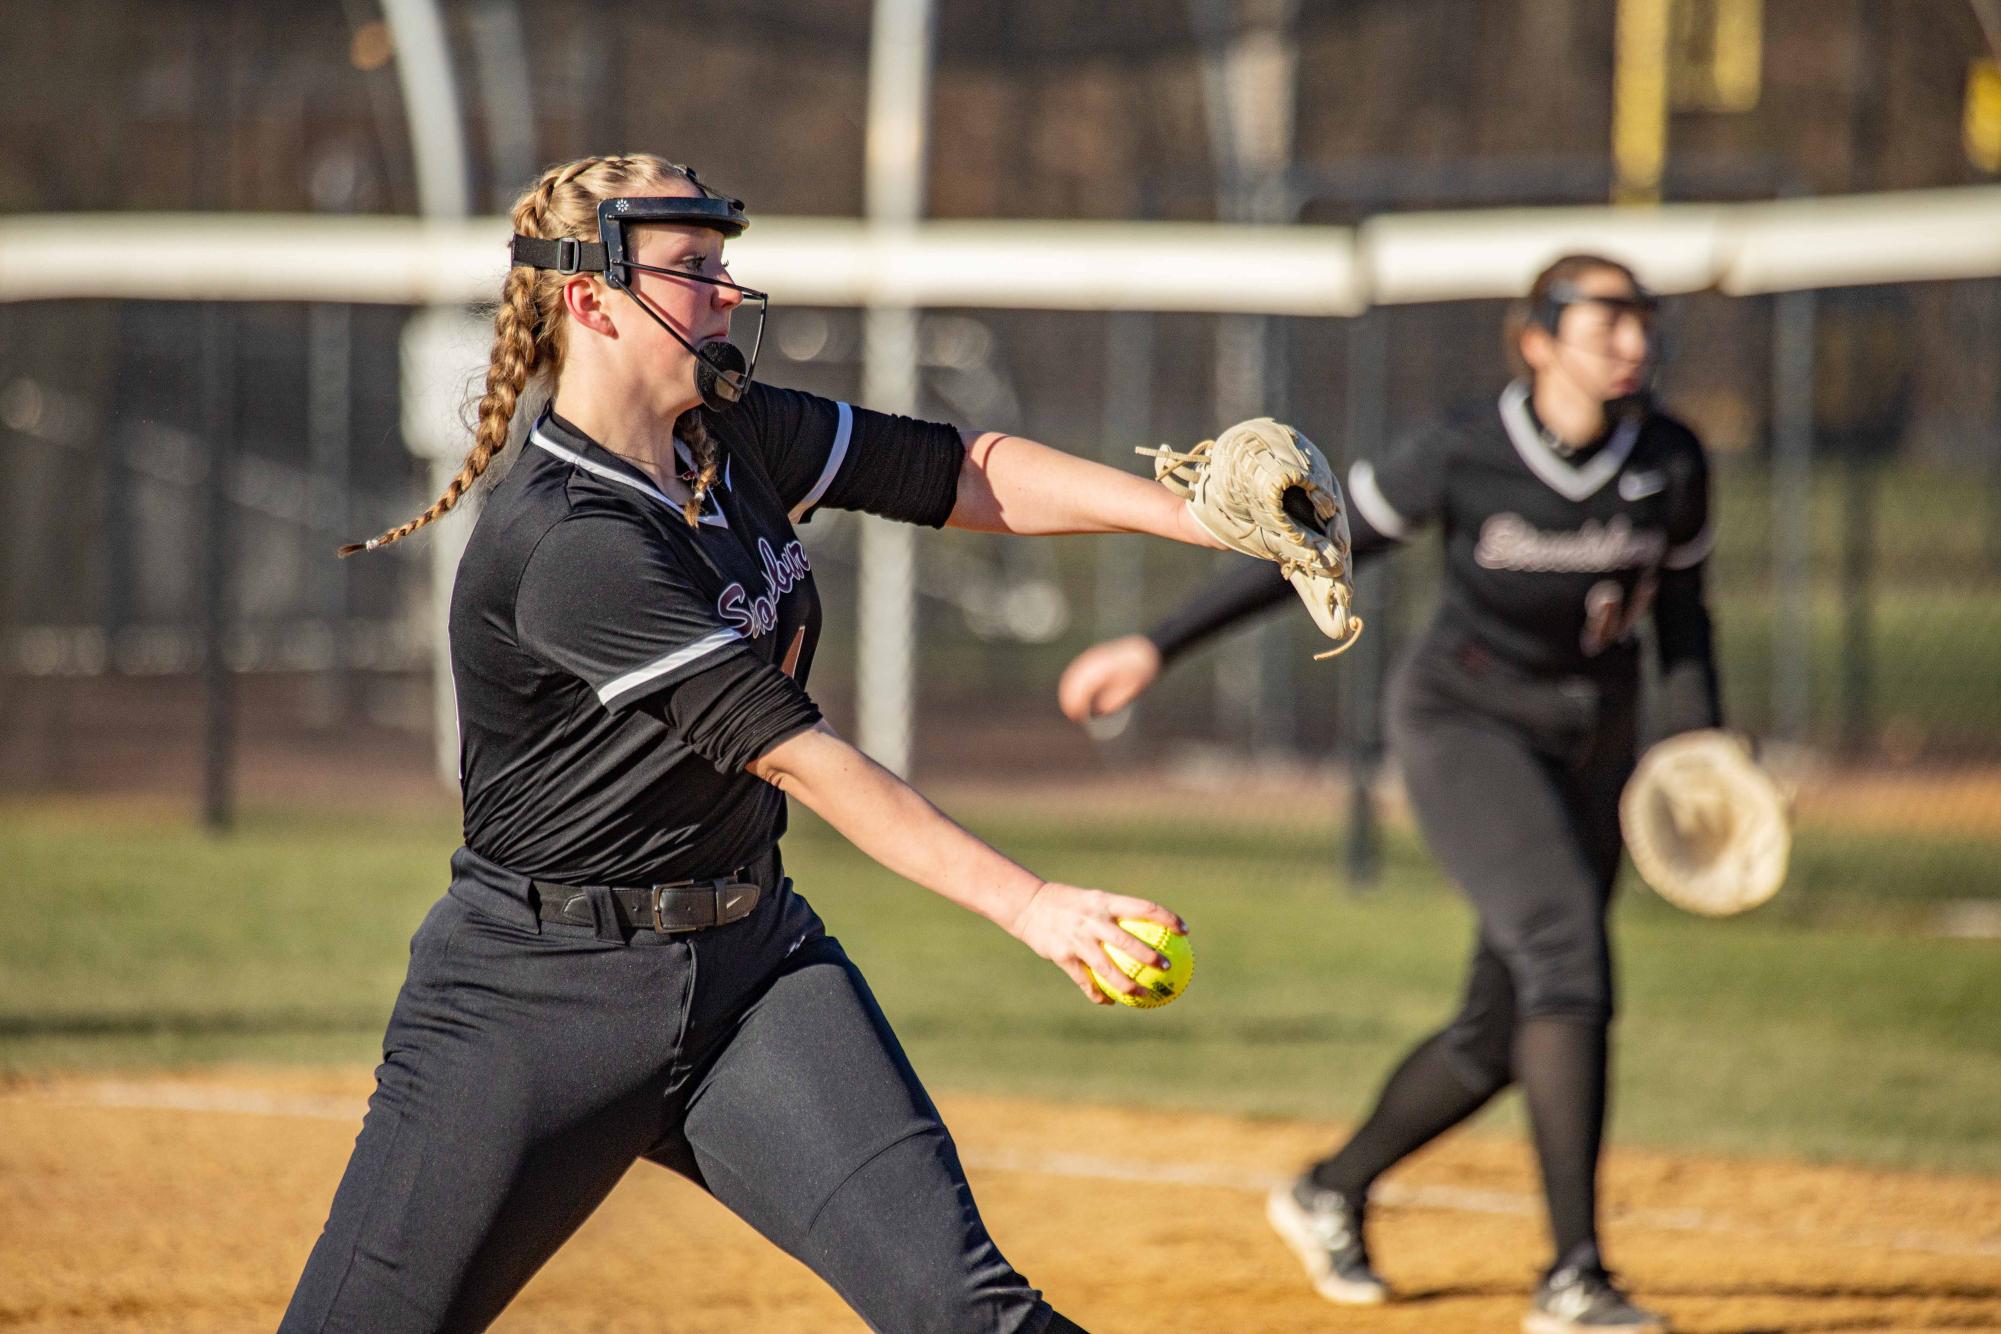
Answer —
199 1098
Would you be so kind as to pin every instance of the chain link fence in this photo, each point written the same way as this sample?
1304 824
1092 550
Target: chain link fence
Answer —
176 477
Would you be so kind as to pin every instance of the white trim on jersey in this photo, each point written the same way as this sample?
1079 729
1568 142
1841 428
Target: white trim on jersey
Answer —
844 426
1373 505
1692 552
1557 472
687 653
571 457
577 460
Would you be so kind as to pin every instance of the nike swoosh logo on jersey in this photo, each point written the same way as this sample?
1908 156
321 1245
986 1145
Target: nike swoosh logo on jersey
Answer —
1640 485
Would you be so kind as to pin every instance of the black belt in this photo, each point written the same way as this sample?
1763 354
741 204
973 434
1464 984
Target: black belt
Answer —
687 906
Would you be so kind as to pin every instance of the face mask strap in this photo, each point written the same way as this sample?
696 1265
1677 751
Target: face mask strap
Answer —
1548 312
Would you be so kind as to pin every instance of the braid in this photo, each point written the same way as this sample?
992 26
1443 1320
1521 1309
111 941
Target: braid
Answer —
557 177
703 446
516 352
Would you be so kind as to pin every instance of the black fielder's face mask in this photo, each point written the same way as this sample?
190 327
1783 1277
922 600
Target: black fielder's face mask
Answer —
722 372
1640 304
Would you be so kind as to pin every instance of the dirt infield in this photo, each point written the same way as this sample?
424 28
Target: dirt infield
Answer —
188 1203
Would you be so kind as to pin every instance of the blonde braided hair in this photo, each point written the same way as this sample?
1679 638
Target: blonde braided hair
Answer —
530 333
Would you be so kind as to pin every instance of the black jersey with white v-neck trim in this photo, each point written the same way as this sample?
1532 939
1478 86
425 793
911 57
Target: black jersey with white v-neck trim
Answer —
1550 561
617 667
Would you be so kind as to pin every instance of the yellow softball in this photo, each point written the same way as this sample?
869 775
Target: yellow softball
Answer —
1161 986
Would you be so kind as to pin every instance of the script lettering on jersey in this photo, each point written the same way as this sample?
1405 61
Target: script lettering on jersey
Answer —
1510 542
756 616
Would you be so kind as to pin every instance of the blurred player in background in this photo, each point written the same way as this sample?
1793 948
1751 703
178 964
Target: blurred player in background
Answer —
621 968
1569 511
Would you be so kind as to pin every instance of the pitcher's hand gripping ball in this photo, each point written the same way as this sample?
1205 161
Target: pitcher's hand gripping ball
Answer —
1161 986
1264 489
1708 828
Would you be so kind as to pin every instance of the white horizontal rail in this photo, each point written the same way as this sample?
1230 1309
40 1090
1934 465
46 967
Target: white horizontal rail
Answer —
1743 249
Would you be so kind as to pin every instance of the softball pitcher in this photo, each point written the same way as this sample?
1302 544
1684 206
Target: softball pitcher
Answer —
1570 510
621 968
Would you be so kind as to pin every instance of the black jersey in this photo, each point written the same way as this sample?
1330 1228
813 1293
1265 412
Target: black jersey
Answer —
616 667
1551 561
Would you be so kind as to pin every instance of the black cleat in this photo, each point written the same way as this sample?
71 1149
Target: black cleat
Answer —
1584 1298
1325 1232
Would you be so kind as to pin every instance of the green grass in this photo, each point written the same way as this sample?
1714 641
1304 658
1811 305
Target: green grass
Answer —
1827 1025
132 937
1932 651
1785 1032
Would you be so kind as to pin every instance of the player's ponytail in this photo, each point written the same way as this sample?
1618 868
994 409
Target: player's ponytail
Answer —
514 358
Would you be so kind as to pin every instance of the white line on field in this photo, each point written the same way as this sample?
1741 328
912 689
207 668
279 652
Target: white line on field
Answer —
166 1097
200 1098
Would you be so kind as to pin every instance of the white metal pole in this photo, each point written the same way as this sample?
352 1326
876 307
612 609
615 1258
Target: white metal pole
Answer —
431 105
444 190
1249 68
442 346
898 122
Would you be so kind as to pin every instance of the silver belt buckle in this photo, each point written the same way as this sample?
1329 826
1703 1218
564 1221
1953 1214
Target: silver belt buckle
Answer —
659 897
720 901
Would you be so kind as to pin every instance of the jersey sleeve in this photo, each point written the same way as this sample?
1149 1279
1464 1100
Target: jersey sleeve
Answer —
1691 694
734 710
1691 533
821 453
1390 500
601 600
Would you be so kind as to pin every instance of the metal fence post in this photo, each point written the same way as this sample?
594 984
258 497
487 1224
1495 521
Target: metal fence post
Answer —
216 536
329 435
1858 564
899 99
1792 507
1120 590
1365 665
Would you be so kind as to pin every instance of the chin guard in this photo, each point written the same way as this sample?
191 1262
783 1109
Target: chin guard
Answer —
722 372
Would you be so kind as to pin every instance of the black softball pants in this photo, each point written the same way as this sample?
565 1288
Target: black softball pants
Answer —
1515 783
528 1064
